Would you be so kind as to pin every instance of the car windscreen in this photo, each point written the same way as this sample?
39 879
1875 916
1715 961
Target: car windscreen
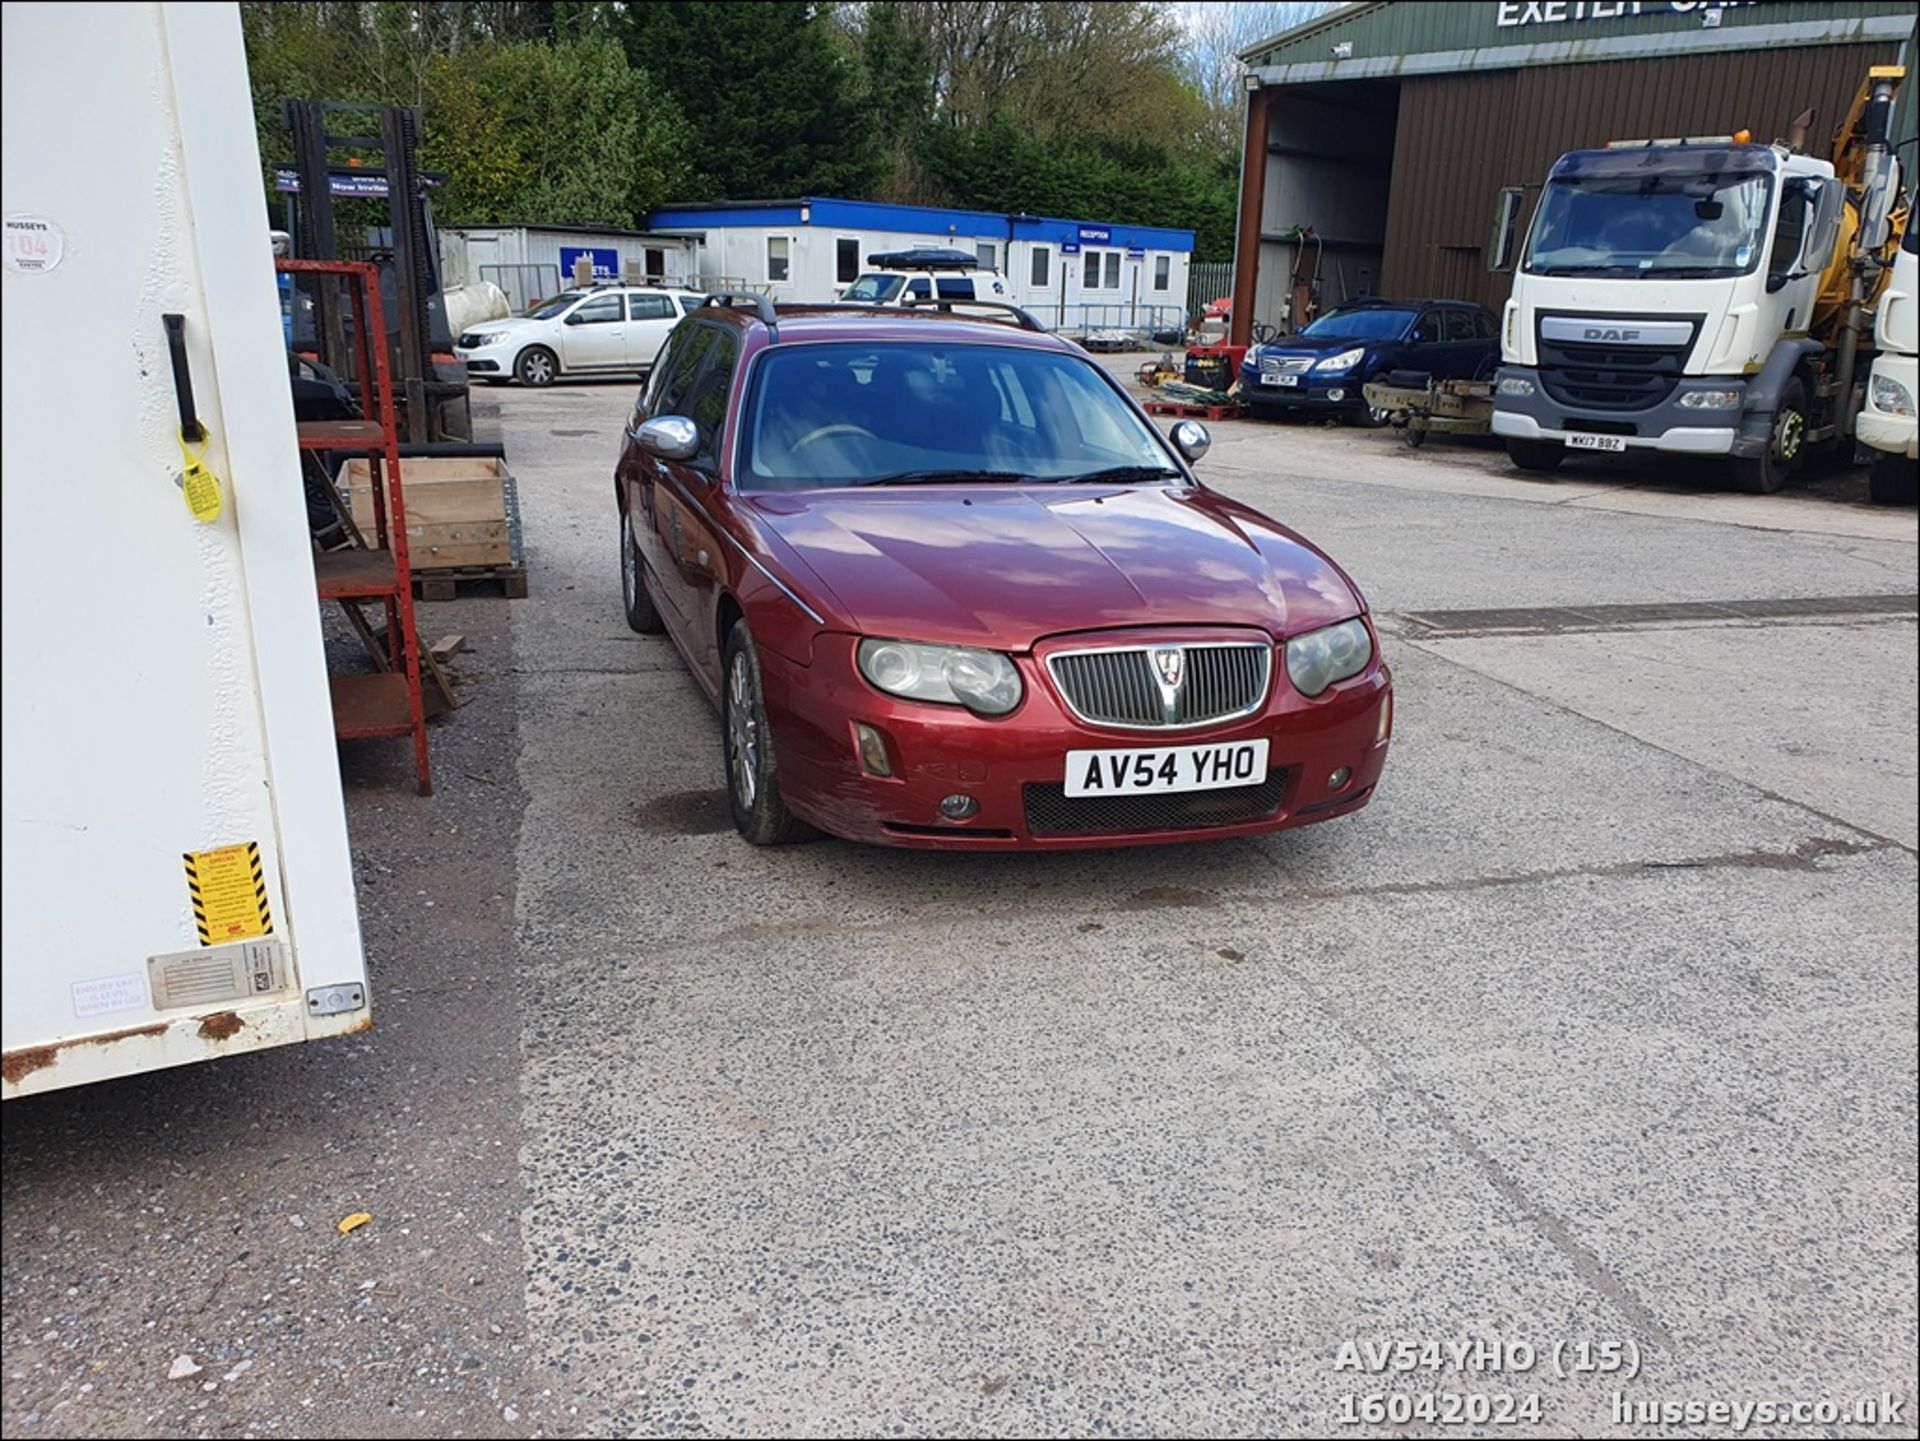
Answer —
1371 323
1658 224
843 413
548 309
872 289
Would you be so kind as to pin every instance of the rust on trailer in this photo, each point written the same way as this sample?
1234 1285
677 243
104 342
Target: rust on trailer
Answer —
18 1065
221 1026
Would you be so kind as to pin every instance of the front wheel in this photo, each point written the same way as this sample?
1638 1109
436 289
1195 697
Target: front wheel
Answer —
1767 472
537 366
642 615
760 812
1539 456
1893 480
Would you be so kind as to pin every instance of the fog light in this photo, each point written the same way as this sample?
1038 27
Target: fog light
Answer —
873 750
1336 394
1338 780
959 808
1513 385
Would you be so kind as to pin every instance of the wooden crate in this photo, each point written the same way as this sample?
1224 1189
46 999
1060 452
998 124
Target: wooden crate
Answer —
457 511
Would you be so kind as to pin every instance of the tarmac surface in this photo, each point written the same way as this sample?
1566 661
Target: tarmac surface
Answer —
1597 1028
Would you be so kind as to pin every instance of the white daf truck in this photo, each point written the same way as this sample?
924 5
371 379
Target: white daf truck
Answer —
1706 296
1888 424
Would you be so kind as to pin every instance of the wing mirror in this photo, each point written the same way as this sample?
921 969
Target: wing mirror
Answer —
1190 438
669 437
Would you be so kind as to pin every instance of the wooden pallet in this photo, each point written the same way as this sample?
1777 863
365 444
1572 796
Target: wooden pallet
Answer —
444 583
1230 411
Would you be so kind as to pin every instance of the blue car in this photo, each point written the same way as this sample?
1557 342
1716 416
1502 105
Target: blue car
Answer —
1324 366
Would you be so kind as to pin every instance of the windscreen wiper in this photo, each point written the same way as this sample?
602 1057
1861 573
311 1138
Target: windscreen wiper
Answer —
945 477
1117 475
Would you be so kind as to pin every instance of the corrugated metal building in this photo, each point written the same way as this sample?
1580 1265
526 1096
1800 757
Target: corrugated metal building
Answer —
1389 129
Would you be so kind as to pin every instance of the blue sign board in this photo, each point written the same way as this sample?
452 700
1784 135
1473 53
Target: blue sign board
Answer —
606 262
1096 234
1069 247
348 185
1136 252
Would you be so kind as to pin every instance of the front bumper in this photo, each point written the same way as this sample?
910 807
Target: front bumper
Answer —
1314 392
489 359
939 751
1668 427
1880 429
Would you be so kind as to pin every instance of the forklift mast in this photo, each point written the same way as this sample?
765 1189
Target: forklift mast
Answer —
432 392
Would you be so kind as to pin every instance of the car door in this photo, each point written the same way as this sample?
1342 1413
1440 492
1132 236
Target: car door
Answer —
691 536
657 486
1462 346
650 320
1427 343
594 334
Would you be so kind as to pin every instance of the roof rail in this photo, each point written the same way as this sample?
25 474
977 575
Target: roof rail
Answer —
762 307
947 302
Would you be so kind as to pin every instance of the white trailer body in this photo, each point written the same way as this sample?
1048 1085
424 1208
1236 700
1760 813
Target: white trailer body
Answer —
168 733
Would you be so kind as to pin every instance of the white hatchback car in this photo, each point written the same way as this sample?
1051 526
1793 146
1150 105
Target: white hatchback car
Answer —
607 330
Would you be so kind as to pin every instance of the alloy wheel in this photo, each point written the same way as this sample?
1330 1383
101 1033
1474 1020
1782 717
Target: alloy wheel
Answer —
743 735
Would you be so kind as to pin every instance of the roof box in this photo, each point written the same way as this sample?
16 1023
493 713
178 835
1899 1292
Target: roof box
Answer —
924 257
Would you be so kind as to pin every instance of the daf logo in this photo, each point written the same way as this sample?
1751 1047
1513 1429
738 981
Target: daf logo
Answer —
1603 332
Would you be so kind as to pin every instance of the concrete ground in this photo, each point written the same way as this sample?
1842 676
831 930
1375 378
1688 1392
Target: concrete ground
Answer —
1598 1026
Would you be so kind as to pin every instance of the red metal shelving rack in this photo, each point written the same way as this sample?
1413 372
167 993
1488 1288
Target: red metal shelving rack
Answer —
389 702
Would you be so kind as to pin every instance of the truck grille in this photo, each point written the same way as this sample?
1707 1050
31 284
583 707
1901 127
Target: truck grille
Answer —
1123 687
1610 377
1052 812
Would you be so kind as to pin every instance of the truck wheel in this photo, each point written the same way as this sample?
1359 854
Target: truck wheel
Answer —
536 366
1767 472
1893 480
1536 455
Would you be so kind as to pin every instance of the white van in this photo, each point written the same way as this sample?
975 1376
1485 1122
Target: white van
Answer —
925 274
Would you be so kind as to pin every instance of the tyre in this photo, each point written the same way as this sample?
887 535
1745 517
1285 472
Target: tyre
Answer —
1893 480
1414 435
760 813
1539 456
536 366
642 615
1767 472
1370 417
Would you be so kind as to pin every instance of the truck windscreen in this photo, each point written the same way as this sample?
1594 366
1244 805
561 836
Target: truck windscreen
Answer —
1673 225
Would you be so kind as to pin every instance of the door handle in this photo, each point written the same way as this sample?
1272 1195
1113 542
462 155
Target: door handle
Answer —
190 426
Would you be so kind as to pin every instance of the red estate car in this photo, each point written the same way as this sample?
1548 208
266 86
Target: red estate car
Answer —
948 586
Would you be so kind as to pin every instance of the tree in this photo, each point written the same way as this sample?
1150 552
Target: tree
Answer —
771 95
1216 35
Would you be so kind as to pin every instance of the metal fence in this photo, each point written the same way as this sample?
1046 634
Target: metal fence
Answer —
524 284
1111 319
1206 283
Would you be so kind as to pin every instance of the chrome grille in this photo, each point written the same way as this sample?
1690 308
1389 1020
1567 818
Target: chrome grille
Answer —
1285 364
1122 686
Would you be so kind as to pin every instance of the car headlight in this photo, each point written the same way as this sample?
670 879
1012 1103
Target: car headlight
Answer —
1513 385
984 681
478 338
1711 400
1320 657
1345 360
1890 396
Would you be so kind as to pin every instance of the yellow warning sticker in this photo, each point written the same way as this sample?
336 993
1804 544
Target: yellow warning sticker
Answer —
229 893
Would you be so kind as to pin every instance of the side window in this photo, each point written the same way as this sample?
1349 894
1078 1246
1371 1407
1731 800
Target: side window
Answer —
650 307
648 404
1426 330
601 310
691 303
988 254
846 259
1162 271
1460 325
1790 229
1113 271
1042 261
707 405
1485 325
920 288
778 251
955 289
1090 270
678 370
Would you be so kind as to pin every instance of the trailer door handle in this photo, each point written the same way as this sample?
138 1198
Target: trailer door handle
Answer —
190 426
